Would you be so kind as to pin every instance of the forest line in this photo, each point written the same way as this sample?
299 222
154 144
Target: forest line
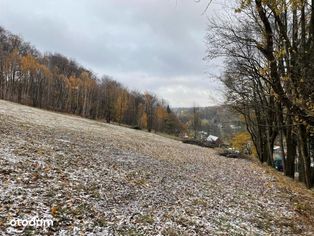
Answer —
54 82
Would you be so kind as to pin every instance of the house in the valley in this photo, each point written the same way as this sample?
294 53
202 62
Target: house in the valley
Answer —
214 140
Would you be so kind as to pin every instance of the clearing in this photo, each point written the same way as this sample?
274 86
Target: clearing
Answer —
92 178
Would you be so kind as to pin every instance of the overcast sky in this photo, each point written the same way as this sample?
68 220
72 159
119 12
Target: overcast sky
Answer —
154 45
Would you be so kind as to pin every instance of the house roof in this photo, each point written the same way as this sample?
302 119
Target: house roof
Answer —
212 138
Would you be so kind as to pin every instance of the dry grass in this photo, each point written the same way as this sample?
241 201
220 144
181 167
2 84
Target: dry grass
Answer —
91 177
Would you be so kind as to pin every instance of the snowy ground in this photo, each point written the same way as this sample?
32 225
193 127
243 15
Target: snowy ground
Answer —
91 178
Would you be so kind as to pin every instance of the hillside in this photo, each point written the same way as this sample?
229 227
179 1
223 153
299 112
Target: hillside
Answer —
57 83
92 177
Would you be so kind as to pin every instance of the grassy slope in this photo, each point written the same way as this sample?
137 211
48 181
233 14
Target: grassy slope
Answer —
94 177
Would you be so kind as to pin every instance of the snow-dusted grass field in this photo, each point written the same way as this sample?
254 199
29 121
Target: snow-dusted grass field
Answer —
92 178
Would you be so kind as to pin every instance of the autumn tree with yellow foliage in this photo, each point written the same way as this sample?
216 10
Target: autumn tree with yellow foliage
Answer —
241 142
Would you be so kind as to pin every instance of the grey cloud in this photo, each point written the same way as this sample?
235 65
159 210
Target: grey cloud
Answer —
147 45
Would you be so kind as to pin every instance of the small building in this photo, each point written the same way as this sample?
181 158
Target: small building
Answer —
214 140
202 135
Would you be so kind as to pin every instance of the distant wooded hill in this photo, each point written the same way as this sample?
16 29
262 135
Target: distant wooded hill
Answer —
55 82
216 120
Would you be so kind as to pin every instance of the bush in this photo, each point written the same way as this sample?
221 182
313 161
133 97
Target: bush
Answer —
231 153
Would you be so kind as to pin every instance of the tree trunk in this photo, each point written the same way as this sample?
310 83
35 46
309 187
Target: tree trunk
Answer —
304 156
291 150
